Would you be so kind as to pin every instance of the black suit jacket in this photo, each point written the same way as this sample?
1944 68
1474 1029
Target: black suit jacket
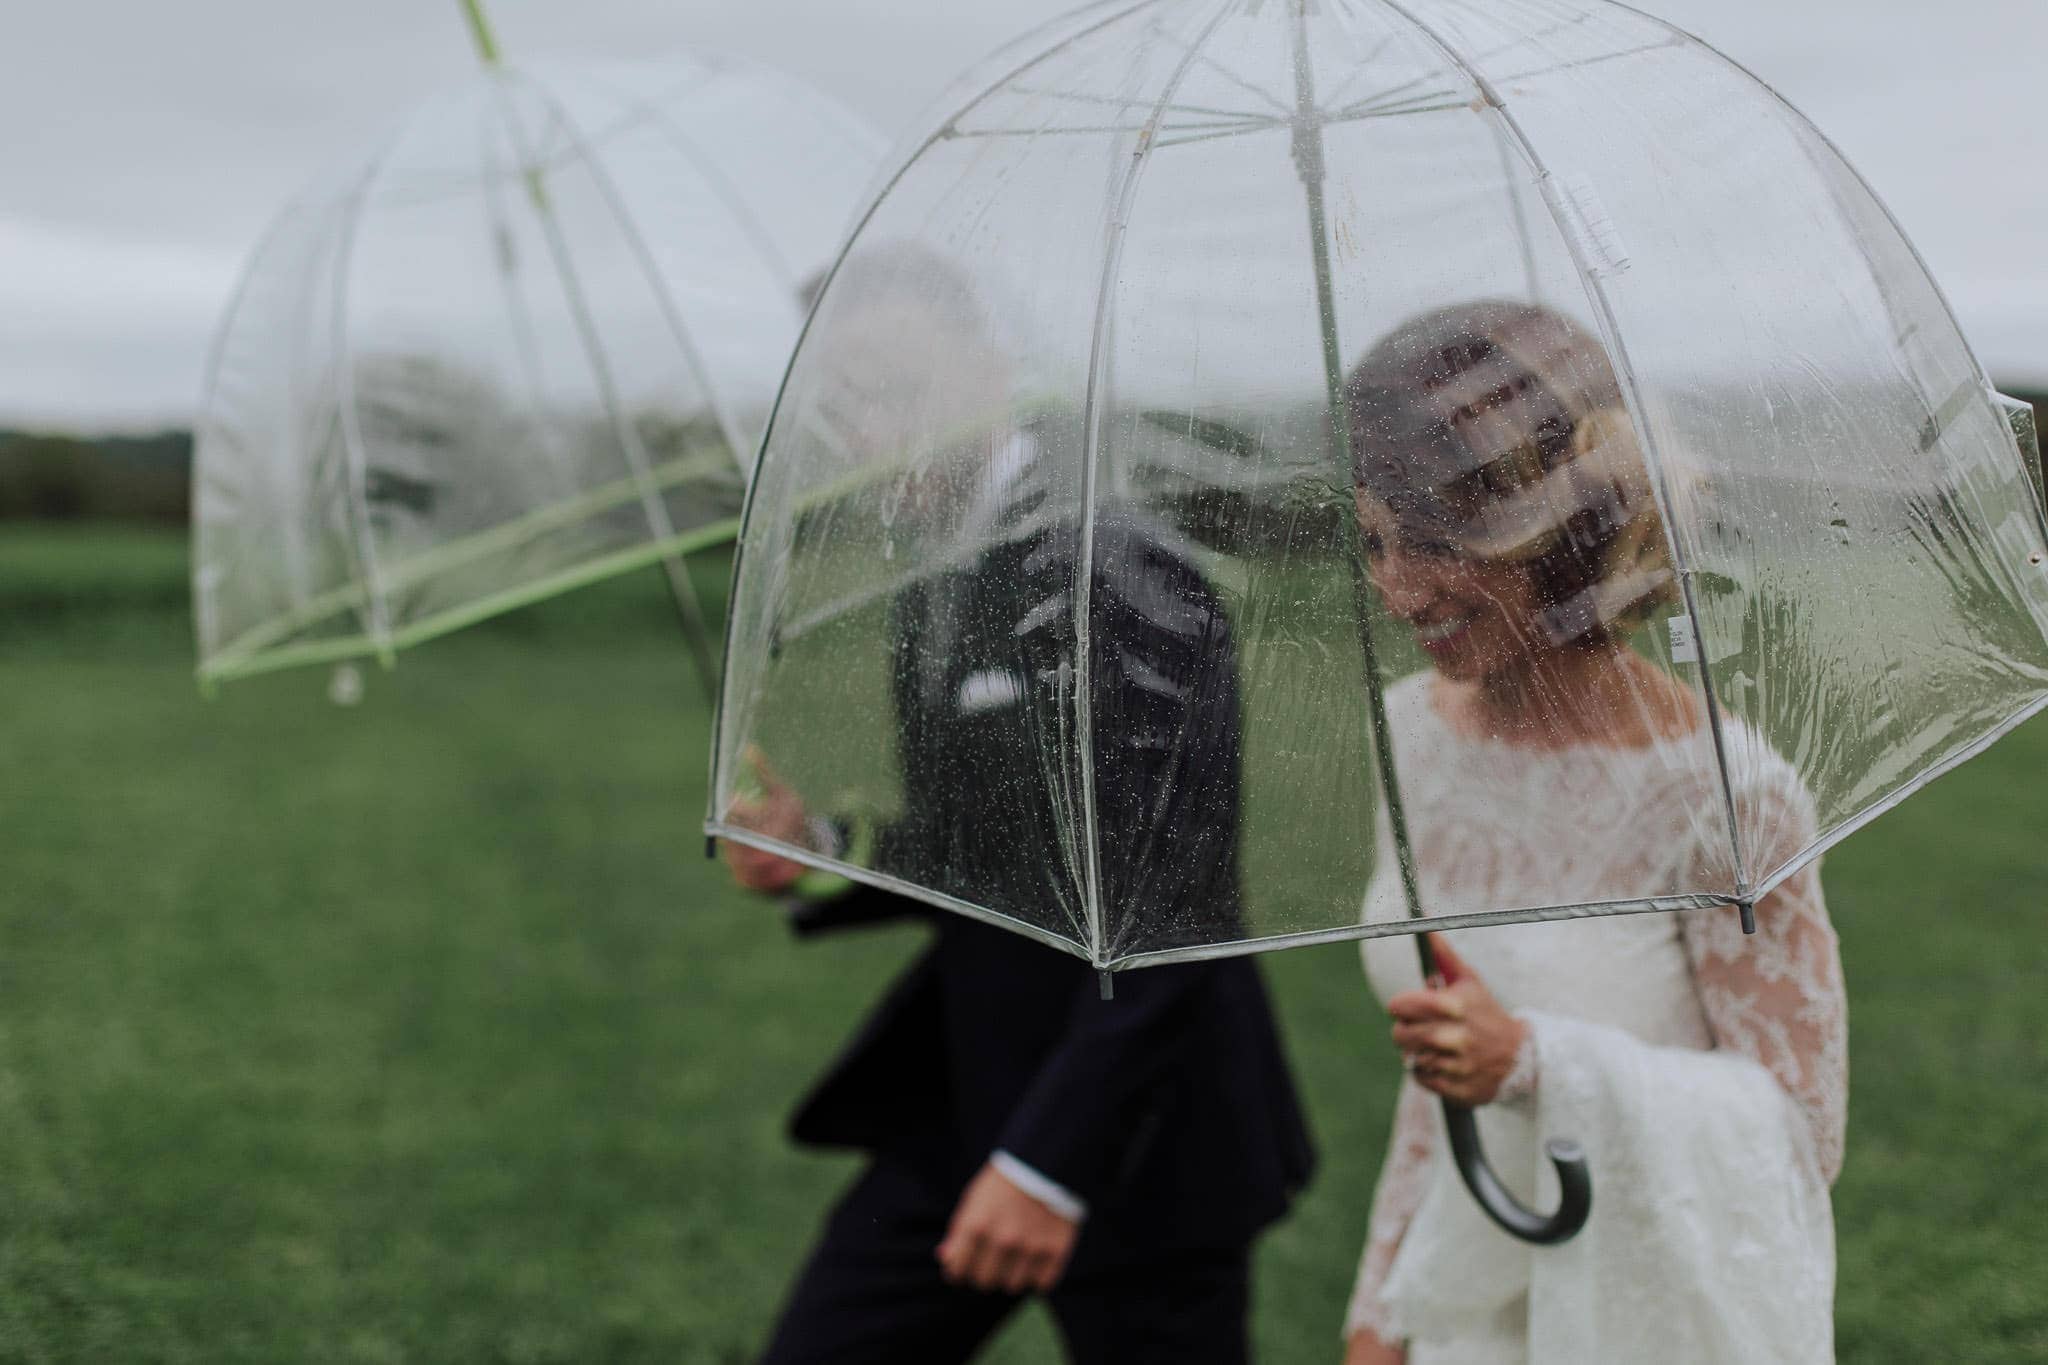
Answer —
1168 1108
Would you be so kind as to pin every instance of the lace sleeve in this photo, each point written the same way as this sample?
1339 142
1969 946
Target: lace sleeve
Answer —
1404 1179
1777 996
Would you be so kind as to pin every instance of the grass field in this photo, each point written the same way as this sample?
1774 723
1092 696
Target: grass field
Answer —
421 1030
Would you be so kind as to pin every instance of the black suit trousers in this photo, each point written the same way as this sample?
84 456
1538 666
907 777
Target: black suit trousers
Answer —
872 1293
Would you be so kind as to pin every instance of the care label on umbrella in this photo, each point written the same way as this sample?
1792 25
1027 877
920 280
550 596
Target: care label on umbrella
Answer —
1685 644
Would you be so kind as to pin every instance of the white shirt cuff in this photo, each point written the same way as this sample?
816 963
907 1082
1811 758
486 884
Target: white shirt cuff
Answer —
1053 1195
821 836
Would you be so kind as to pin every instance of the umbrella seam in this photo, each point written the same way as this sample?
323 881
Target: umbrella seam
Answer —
584 320
1884 209
859 225
1632 398
204 436
1941 767
721 190
867 876
608 190
345 401
1397 927
1092 418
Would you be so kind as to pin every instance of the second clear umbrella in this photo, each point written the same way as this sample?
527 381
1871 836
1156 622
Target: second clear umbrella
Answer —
527 342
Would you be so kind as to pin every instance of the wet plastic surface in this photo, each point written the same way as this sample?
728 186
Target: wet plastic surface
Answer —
1192 336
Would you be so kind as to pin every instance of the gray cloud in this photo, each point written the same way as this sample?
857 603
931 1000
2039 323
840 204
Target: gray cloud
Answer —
150 143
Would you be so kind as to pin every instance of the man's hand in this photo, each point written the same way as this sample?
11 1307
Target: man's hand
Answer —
1004 1241
777 812
1456 1037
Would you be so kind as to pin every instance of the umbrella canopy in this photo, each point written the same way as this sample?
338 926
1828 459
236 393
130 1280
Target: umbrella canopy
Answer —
1213 278
530 340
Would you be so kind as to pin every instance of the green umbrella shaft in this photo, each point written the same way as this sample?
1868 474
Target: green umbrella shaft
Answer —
480 29
675 570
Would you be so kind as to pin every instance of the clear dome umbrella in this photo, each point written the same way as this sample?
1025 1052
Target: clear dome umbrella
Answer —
1210 283
528 341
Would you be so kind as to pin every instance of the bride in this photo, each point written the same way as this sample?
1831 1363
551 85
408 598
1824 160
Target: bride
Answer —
1508 522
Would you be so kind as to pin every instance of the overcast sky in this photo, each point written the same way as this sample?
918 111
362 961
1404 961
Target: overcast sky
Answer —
148 143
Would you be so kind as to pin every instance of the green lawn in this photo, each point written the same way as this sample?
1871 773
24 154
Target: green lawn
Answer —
421 1031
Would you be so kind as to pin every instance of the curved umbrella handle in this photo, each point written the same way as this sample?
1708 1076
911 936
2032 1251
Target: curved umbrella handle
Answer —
1567 1158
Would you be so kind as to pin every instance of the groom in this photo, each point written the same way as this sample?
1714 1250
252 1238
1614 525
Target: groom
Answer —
1026 1136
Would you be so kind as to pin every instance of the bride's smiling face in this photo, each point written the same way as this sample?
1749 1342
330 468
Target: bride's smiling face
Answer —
1473 617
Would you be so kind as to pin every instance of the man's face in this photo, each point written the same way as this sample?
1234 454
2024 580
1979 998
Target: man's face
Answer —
905 389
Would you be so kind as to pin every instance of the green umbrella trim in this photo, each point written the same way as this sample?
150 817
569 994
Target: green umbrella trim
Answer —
232 659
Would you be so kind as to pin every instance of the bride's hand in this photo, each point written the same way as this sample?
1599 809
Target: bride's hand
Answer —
1455 1037
1366 1349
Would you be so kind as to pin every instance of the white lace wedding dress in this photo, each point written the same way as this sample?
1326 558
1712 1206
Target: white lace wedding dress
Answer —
1704 1071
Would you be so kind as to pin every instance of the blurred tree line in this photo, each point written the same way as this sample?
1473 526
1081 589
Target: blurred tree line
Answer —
53 476
50 476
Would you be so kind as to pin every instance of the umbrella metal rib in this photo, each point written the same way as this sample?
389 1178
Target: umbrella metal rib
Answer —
674 569
1093 414
525 343
1177 106
363 543
723 190
1632 398
867 213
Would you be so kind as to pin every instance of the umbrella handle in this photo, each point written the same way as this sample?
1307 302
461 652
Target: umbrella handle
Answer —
1567 1158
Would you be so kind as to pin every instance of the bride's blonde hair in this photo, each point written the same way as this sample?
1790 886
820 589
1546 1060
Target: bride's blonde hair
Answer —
1497 430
